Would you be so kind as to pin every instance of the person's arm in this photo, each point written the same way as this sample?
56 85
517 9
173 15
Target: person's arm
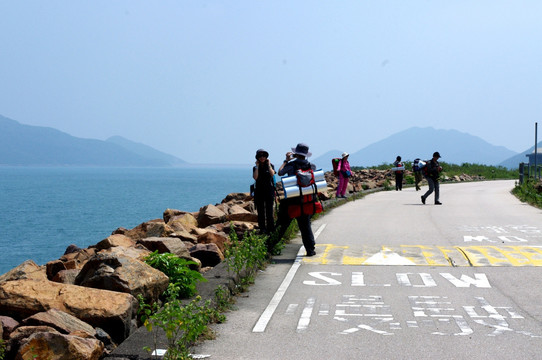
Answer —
255 171
271 169
282 171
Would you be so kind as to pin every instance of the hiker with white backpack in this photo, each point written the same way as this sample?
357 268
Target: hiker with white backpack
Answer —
295 160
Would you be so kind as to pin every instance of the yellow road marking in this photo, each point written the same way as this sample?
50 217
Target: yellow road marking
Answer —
427 255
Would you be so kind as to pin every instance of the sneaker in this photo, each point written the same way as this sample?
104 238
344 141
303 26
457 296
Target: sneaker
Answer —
438 203
423 200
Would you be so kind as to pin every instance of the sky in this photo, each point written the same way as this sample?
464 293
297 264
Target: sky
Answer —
212 81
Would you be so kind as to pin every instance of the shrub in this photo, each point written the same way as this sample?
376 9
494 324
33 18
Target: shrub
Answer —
530 192
183 325
244 257
182 279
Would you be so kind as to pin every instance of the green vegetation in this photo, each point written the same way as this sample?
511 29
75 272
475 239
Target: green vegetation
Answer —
449 170
183 324
488 172
182 279
2 349
245 256
530 192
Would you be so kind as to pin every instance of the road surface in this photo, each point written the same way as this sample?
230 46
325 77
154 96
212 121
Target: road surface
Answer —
396 279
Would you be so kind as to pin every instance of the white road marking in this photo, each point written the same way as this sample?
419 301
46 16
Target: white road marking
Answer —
305 318
279 294
388 257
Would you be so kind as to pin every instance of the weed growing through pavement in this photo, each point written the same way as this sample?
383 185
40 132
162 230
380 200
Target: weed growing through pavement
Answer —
183 325
244 257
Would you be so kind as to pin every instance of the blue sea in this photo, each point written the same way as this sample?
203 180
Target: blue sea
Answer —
43 210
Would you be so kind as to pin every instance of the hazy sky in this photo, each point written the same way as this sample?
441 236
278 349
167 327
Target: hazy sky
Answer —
212 81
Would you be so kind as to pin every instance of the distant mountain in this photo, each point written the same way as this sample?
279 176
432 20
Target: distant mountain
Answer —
513 162
455 147
145 151
25 145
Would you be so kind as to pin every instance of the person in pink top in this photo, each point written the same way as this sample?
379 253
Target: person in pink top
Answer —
344 174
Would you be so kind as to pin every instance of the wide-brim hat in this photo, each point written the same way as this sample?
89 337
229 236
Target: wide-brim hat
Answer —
436 154
345 154
261 151
302 149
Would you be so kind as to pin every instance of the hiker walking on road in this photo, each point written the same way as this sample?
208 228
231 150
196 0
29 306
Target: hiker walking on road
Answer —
418 177
398 174
299 154
431 172
264 191
344 175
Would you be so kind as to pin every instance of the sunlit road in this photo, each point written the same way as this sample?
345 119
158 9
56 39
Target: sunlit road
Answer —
395 279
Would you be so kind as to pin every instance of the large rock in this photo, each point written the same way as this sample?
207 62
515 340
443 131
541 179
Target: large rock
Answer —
237 197
166 245
26 270
238 213
150 228
59 320
54 346
66 276
53 267
110 310
185 221
138 252
21 335
123 274
208 254
8 324
77 259
214 238
209 215
115 240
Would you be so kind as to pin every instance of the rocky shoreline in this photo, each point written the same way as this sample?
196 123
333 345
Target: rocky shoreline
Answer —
83 305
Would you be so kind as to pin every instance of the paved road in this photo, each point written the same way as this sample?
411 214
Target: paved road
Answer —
395 279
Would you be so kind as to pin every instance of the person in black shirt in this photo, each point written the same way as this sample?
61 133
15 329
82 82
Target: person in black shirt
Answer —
264 191
398 174
431 172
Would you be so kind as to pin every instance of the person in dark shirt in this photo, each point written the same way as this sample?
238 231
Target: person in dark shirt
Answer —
296 159
398 174
264 191
431 172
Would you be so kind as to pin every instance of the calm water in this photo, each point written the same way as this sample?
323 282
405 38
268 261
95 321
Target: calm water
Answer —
43 210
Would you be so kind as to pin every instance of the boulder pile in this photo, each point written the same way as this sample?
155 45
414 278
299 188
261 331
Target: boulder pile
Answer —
82 305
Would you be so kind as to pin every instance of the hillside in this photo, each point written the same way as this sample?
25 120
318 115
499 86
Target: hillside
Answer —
513 162
25 145
454 146
145 151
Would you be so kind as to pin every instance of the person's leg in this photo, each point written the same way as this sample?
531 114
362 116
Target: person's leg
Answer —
345 186
283 222
340 185
431 184
418 178
260 209
269 218
437 192
304 223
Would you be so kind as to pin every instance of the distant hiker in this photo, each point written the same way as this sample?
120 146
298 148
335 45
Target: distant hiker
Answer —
344 171
264 191
431 172
417 169
299 154
399 169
